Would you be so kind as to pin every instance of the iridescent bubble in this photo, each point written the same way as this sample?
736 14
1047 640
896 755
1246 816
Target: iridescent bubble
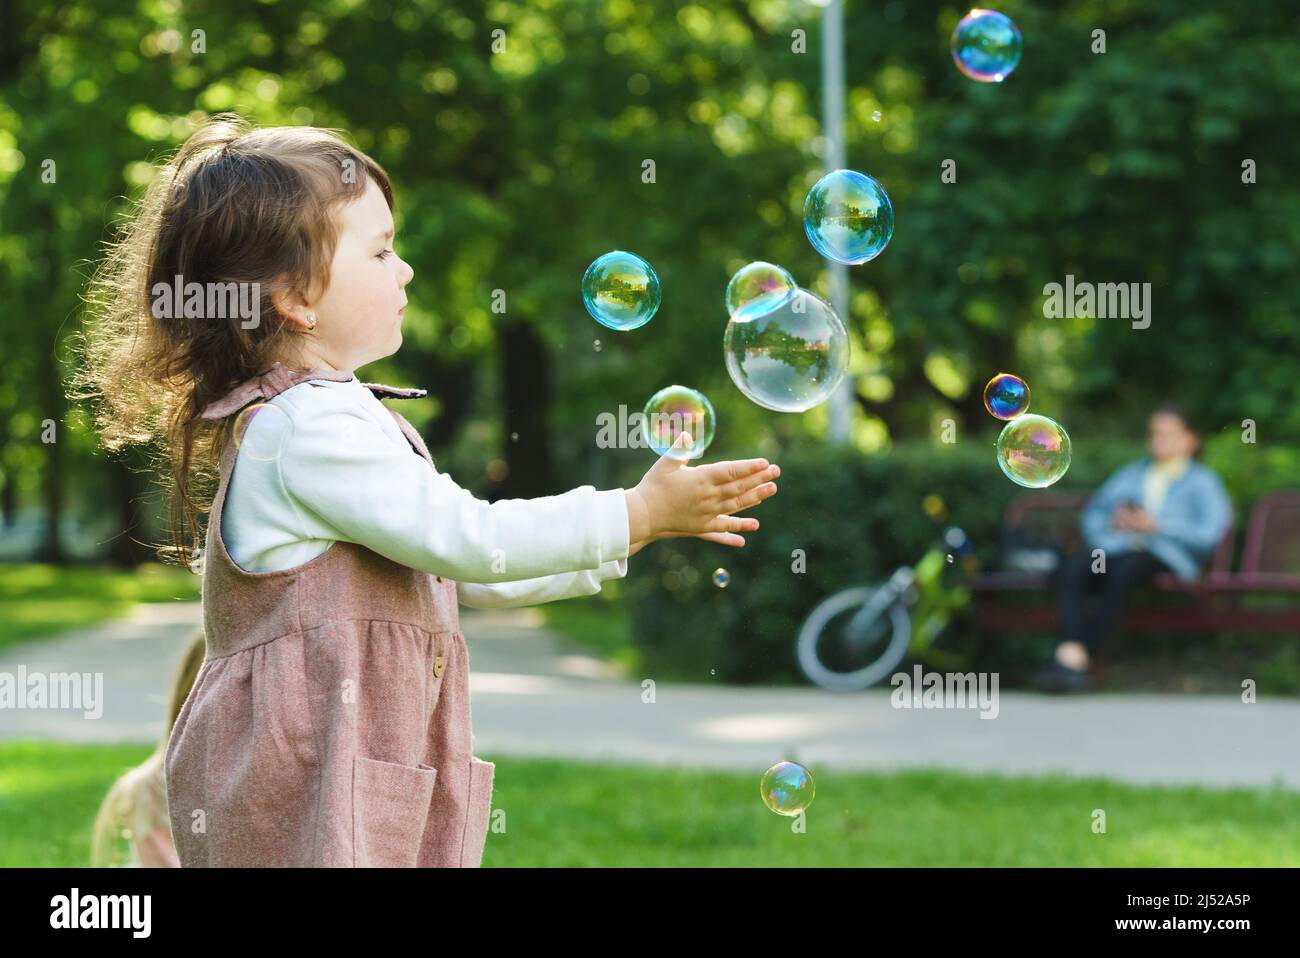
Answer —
1006 396
757 289
621 290
790 359
986 46
787 788
672 411
1033 451
848 217
266 441
721 577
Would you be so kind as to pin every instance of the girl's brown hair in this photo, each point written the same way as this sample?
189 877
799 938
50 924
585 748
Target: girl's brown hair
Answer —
235 204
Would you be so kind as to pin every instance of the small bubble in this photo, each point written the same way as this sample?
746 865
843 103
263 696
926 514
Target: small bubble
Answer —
721 577
876 116
514 437
713 671
595 344
949 558
787 788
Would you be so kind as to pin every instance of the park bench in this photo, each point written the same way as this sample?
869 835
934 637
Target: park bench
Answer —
1221 600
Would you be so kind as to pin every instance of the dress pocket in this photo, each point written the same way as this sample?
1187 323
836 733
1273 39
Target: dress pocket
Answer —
478 813
390 807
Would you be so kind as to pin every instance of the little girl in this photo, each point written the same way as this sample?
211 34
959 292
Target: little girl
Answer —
330 722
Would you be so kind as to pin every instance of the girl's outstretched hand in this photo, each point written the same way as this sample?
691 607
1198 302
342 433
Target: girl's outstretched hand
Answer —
673 499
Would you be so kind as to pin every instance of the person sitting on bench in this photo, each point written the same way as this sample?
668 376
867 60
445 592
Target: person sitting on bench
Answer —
1163 513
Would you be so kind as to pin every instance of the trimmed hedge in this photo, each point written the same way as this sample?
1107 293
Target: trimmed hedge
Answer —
857 518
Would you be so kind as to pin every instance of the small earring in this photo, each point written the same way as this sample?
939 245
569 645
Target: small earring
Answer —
312 318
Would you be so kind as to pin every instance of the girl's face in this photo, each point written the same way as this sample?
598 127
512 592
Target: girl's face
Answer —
359 316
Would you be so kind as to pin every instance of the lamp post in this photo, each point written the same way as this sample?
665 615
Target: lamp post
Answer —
841 400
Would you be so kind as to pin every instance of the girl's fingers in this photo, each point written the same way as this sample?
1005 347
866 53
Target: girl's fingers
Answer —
668 462
733 524
730 471
724 538
738 488
750 499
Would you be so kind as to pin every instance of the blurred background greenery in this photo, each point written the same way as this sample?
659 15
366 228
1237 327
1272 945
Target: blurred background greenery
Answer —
514 169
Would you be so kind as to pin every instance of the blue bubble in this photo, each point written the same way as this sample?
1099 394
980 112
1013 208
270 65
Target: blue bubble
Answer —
986 46
1006 396
621 290
848 217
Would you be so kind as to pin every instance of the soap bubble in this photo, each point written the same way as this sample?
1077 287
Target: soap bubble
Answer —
790 359
757 289
621 290
721 577
672 411
267 441
986 46
1034 451
848 217
787 788
1006 396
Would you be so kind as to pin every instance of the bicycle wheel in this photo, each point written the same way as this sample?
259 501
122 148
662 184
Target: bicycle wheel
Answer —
841 658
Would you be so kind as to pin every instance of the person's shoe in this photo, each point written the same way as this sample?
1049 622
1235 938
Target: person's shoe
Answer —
1061 678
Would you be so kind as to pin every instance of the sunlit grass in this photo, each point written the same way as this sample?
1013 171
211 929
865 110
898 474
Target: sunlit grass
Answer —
562 813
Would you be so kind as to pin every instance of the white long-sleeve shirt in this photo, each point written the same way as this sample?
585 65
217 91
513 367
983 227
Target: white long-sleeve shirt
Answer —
325 461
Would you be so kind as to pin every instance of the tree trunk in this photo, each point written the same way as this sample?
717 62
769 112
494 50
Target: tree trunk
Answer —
525 376
129 494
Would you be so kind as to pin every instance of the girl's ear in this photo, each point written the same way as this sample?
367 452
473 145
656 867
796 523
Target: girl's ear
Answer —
291 305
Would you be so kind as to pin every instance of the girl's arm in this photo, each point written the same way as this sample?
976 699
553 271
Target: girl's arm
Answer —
550 588
346 472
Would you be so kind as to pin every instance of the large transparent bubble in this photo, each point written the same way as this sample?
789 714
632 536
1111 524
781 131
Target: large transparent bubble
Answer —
789 359
1034 451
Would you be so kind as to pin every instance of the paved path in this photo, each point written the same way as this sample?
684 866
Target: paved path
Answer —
531 697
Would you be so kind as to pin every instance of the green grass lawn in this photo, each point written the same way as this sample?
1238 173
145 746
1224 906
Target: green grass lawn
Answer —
39 599
562 813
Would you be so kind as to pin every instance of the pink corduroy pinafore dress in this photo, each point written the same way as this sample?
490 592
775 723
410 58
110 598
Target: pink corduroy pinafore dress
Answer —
330 722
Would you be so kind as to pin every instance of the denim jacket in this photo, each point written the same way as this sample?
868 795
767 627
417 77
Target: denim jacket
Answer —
1191 521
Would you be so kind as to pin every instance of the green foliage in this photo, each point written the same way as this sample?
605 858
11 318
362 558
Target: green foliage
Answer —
514 169
856 518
